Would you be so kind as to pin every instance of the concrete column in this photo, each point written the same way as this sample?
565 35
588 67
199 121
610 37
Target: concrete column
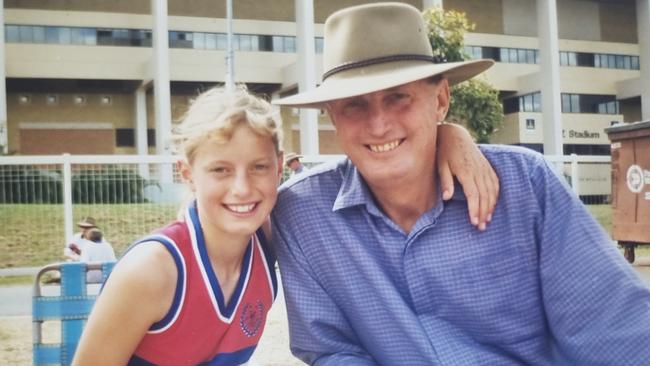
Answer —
4 130
549 59
162 99
643 30
307 74
141 143
428 4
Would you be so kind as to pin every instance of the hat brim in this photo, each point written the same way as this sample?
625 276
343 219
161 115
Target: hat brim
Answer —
363 80
85 225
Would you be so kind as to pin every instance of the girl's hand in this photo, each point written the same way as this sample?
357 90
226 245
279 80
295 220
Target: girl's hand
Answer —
458 156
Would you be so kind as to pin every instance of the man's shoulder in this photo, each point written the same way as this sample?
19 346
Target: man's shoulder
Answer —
322 176
508 157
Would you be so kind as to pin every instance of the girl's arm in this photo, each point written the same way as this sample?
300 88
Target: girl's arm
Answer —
458 156
138 293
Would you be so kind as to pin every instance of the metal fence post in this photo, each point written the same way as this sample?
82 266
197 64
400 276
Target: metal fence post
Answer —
574 174
67 197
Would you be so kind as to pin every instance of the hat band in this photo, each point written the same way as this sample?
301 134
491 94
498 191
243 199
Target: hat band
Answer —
378 60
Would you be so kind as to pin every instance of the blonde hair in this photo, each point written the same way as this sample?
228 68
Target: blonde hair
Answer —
215 114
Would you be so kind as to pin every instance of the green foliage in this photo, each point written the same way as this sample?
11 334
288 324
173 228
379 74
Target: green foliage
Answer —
475 103
107 186
28 184
447 32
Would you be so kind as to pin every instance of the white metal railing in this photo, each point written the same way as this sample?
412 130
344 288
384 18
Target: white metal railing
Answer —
52 193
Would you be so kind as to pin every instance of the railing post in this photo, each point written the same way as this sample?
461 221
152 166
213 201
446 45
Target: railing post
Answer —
67 198
574 174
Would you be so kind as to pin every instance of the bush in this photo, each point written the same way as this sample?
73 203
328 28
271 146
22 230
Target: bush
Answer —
28 184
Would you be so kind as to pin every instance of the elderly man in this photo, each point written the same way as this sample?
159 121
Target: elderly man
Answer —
293 162
377 269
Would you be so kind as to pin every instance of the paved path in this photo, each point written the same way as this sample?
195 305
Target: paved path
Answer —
16 300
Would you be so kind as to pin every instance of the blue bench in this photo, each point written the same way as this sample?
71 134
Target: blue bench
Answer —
71 307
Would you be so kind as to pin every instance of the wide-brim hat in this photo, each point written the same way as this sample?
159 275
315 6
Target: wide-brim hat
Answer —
372 47
87 222
291 156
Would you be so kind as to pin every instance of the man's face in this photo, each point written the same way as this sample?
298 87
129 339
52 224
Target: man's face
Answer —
294 164
390 135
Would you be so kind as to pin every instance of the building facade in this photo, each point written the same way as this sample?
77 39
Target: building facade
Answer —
81 74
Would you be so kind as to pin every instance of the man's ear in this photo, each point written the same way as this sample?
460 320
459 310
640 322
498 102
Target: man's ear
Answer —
186 173
443 98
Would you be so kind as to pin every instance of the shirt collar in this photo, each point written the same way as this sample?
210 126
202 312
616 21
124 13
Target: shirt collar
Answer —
355 192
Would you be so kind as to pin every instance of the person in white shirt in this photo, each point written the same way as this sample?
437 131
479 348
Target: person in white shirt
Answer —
96 249
72 250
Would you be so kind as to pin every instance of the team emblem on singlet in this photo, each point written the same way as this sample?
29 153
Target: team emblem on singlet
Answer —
251 318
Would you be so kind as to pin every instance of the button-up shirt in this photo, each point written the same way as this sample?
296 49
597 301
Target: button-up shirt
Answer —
543 285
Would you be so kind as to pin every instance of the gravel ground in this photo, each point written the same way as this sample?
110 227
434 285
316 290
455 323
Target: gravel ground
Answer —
16 339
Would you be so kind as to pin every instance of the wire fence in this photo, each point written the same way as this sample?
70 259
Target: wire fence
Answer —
43 197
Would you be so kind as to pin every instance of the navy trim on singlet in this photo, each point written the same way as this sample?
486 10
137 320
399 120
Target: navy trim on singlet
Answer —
179 282
221 359
270 259
232 358
179 285
138 361
226 311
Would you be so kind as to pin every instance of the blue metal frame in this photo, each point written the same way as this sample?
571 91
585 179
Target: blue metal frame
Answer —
71 308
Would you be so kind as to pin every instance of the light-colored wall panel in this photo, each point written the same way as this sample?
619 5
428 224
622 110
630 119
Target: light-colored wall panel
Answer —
487 14
519 18
618 22
578 20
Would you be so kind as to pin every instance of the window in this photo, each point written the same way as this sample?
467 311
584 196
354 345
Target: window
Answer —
198 41
125 137
105 100
474 52
65 35
525 103
210 41
25 34
39 34
222 41
104 37
245 42
530 124
79 100
24 99
52 35
52 99
319 44
12 34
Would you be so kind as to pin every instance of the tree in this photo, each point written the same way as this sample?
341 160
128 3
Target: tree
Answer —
475 103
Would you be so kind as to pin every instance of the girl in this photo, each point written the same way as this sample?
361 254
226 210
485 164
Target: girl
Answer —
198 291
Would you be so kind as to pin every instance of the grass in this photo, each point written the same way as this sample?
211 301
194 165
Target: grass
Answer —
16 281
33 235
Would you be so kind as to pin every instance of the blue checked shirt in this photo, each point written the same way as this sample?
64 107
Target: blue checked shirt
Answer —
543 285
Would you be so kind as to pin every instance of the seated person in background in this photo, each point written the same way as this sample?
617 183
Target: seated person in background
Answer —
72 250
293 162
96 249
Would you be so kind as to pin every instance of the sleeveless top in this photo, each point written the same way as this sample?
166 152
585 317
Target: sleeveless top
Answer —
200 328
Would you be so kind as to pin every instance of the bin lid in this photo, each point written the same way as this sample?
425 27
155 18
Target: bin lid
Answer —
624 127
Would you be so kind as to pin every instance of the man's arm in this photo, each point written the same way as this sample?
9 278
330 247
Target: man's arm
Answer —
597 307
320 333
458 155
